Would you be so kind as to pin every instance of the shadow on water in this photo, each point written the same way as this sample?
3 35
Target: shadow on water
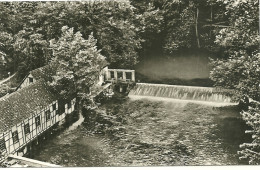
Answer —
70 146
73 149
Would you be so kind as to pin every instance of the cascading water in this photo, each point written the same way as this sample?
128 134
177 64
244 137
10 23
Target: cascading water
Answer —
190 93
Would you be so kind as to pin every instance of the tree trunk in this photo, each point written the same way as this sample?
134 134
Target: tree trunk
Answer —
196 28
211 20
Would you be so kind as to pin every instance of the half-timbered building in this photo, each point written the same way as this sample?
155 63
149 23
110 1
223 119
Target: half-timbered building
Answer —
26 114
45 72
33 109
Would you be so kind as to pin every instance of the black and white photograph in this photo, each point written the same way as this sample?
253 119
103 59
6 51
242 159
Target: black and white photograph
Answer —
129 83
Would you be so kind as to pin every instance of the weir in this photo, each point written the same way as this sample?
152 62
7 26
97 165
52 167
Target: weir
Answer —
190 93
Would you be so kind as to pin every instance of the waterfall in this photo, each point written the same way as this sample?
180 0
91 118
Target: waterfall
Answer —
208 94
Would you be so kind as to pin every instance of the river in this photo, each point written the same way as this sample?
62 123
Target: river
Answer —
149 132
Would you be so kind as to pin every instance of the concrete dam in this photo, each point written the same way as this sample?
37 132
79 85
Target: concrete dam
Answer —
206 95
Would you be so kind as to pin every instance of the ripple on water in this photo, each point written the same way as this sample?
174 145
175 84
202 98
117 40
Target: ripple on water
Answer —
183 134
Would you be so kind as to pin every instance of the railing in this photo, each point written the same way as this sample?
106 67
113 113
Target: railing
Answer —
120 74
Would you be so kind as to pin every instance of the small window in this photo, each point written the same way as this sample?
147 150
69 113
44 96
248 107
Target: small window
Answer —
112 75
27 129
37 121
48 115
105 77
128 75
2 145
69 105
30 80
15 137
120 75
61 109
54 106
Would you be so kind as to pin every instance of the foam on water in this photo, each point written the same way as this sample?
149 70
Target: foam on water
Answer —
203 95
164 99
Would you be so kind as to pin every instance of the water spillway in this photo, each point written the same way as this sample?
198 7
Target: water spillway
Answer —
208 94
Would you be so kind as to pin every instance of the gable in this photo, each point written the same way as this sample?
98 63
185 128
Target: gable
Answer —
45 72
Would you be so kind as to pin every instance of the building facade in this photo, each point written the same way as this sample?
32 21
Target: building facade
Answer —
33 109
28 112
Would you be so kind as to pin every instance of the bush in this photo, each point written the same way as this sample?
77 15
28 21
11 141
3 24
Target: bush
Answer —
251 151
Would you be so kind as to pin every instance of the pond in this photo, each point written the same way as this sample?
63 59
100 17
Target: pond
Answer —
149 132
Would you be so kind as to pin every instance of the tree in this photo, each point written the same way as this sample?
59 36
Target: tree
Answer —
30 51
241 71
115 31
149 22
112 24
5 47
78 64
192 24
251 151
23 46
241 42
110 21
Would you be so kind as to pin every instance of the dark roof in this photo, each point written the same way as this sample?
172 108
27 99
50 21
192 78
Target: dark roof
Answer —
45 72
23 103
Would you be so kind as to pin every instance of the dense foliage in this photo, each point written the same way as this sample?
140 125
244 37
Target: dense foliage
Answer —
78 64
251 151
241 71
179 24
125 30
27 28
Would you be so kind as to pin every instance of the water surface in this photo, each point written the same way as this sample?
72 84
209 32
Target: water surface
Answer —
189 66
154 133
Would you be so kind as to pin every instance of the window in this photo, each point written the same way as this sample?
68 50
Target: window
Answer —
2 145
27 129
30 79
69 105
61 109
54 106
48 115
15 136
128 75
120 75
112 75
105 77
37 121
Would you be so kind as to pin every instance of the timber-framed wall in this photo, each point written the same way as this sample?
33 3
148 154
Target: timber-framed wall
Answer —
19 136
